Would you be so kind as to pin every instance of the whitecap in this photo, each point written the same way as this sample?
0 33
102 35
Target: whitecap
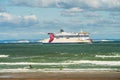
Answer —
107 56
3 56
23 41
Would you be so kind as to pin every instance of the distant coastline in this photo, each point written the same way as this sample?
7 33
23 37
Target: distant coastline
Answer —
37 40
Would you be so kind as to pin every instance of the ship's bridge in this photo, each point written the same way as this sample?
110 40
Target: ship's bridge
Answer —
70 35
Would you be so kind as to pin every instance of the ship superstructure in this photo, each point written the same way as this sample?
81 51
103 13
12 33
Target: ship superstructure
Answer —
65 37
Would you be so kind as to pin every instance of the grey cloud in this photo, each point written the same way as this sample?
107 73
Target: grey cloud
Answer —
2 9
35 3
71 12
12 20
92 14
83 4
117 14
92 4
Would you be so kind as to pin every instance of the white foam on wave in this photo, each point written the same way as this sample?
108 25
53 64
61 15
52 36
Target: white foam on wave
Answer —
3 56
23 41
109 63
55 70
15 70
32 63
26 57
106 56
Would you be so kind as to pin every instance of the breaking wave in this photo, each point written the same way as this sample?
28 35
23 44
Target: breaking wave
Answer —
3 56
110 63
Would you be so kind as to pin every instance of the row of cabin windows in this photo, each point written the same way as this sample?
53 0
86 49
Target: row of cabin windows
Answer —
71 36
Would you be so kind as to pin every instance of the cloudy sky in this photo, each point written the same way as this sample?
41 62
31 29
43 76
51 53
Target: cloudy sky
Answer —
33 19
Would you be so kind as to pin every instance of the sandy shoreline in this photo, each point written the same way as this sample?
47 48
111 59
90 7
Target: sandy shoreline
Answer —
60 76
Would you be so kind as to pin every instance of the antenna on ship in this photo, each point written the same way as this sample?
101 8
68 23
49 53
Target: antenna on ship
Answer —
81 30
61 30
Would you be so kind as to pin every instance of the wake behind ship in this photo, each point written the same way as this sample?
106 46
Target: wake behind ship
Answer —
65 37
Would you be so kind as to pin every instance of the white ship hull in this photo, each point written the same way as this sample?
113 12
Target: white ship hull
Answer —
64 40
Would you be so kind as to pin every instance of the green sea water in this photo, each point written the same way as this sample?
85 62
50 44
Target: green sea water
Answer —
59 53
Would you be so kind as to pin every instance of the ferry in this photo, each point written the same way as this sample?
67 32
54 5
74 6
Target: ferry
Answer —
68 37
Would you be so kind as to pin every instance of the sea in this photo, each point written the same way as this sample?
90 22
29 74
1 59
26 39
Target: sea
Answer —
33 56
